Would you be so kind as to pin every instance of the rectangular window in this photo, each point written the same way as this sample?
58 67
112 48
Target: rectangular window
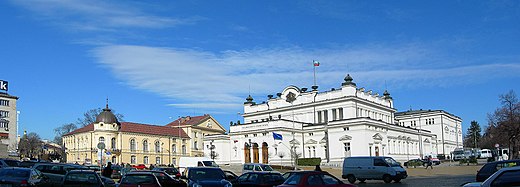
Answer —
334 114
4 114
4 102
157 160
319 117
340 110
326 115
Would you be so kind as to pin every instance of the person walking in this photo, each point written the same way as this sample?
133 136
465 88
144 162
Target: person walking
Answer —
430 162
107 172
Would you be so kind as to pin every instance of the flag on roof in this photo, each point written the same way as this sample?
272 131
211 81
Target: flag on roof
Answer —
316 63
277 136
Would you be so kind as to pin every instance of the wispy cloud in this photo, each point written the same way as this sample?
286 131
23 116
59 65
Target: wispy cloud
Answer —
202 79
98 15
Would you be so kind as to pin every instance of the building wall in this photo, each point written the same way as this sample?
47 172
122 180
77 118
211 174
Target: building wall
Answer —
8 106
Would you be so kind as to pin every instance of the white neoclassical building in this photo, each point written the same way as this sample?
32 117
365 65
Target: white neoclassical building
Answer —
342 122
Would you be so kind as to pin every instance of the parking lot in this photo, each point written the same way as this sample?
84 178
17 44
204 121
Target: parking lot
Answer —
446 174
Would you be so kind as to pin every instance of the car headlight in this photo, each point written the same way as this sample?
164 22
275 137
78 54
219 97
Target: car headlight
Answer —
228 185
196 185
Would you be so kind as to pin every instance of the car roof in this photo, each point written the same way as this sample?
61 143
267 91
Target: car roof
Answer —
264 172
140 173
81 171
15 168
204 168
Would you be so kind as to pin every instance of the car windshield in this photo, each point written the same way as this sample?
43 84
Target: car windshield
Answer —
12 163
294 179
206 174
210 163
138 179
391 162
83 178
267 168
14 173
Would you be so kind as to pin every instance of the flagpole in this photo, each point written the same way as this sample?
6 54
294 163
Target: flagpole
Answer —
314 72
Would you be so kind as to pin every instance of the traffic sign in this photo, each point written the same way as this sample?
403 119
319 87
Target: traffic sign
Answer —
497 145
101 145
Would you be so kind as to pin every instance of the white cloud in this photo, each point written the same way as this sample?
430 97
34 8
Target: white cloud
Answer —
202 79
97 15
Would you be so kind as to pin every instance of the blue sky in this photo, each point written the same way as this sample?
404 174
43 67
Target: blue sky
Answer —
157 60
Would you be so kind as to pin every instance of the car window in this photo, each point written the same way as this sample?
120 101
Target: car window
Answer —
269 178
16 173
253 177
507 178
293 179
506 165
257 168
248 167
267 168
12 163
138 179
199 163
287 175
81 178
198 174
314 180
328 179
243 178
379 162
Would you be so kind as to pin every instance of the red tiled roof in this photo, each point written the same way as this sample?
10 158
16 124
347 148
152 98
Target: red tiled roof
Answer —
89 127
4 134
152 129
139 128
188 120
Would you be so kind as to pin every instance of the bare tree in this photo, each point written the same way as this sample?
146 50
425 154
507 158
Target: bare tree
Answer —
504 124
62 130
30 145
90 117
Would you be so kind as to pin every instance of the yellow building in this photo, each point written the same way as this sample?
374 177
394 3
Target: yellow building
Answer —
135 143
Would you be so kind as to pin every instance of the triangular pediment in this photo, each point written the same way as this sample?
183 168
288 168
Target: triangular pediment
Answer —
345 138
311 141
323 140
377 136
294 142
426 140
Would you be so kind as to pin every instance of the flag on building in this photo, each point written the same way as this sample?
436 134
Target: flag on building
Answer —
277 136
235 141
316 63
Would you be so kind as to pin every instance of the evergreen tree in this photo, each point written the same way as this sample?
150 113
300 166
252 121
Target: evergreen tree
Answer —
473 135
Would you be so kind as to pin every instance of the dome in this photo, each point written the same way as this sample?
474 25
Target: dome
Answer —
106 116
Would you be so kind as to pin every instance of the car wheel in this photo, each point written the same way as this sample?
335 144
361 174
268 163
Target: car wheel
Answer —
397 180
387 178
351 179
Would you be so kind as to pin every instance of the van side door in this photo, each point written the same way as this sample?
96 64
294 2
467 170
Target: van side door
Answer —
379 169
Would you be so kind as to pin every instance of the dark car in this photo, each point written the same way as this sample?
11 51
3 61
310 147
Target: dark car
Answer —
16 177
230 176
314 179
30 163
82 178
164 178
206 176
174 172
415 162
288 174
259 179
9 163
116 172
139 179
490 168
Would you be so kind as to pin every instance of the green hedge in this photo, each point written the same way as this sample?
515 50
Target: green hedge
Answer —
308 161
467 161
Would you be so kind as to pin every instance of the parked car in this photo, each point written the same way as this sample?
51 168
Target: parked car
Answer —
230 176
259 179
206 176
185 162
256 167
288 174
126 170
30 163
372 168
18 177
414 162
492 167
314 179
56 171
9 163
140 166
164 178
503 177
82 178
116 172
108 181
169 170
139 179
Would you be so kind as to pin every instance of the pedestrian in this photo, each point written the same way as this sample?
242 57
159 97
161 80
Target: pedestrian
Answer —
107 172
152 166
430 162
317 168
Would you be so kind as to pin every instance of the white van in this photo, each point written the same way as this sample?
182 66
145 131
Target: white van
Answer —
372 168
486 153
185 162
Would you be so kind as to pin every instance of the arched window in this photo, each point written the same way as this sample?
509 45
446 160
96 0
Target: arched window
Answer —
183 149
113 143
145 159
132 145
157 147
174 148
101 139
145 145
133 159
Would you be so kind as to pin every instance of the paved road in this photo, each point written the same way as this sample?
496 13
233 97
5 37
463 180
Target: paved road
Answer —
440 180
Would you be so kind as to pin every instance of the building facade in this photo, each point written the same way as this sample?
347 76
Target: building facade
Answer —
332 125
446 126
8 122
133 143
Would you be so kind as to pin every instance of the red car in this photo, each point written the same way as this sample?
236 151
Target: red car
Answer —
140 166
314 179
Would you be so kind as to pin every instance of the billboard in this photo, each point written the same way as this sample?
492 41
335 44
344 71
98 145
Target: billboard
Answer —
4 85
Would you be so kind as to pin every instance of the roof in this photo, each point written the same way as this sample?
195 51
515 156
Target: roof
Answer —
6 95
188 120
421 111
139 128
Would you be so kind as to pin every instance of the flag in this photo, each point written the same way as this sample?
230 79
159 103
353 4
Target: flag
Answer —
235 141
277 136
316 63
